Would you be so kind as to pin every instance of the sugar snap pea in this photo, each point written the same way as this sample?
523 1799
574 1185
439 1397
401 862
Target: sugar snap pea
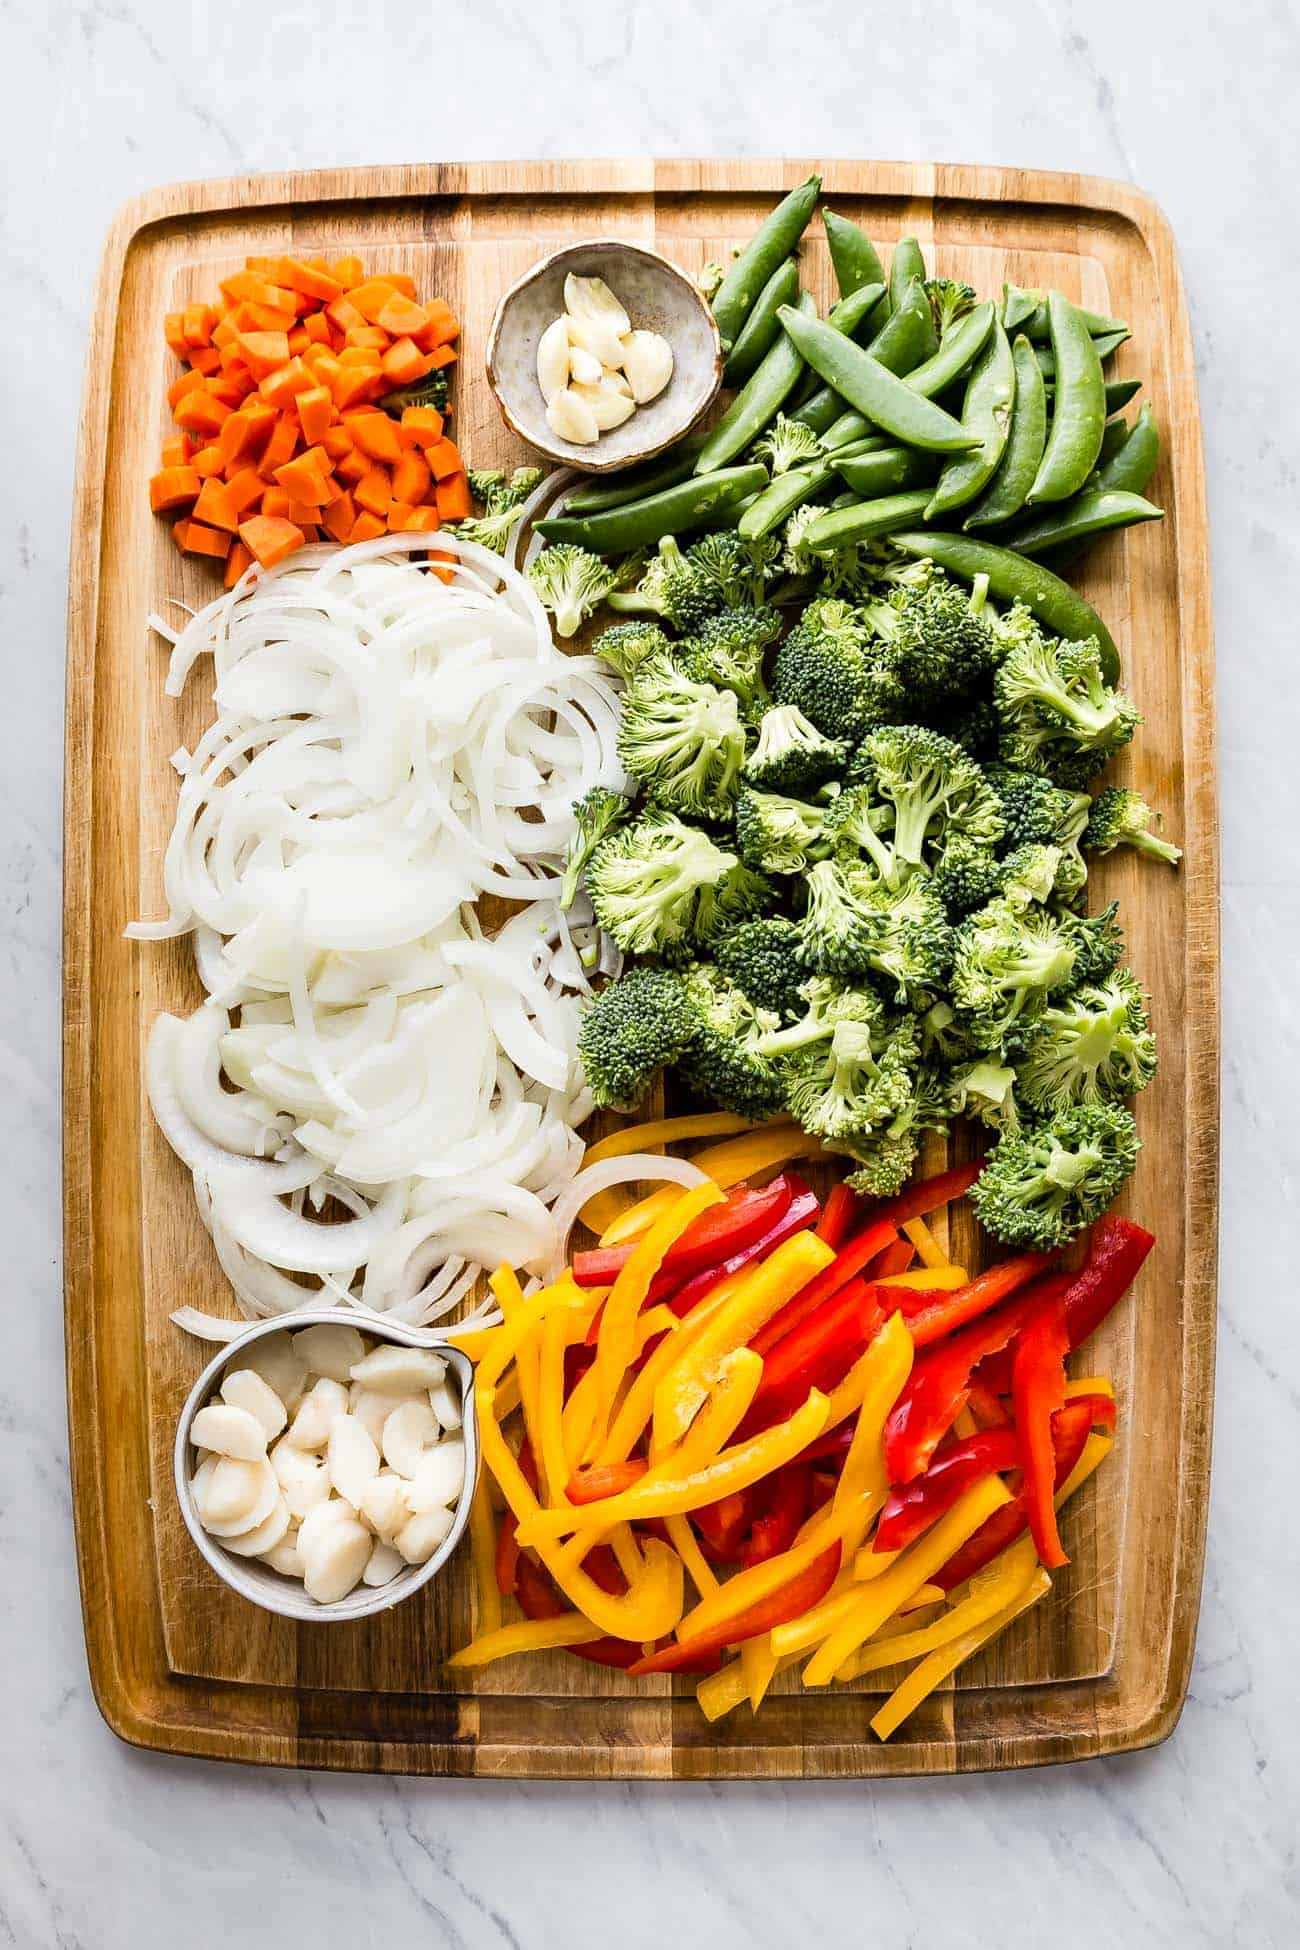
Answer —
1105 343
961 345
1018 307
633 485
770 244
782 496
1027 311
849 426
885 471
673 511
1014 578
1093 511
900 344
1113 436
1118 393
907 263
873 389
1079 409
858 521
761 329
1006 492
853 255
852 316
1125 470
760 397
986 413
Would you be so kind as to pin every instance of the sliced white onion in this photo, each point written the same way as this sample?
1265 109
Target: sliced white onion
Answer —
637 1167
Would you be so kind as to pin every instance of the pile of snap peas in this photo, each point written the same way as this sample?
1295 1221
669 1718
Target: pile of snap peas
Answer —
993 448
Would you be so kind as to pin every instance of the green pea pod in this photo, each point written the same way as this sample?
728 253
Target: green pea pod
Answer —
1014 578
990 400
900 344
1039 326
853 255
1113 436
858 521
849 426
885 471
675 510
1079 410
633 485
1105 343
852 316
861 380
1006 492
1092 512
1126 470
1017 307
782 496
906 263
771 243
761 397
1118 393
961 346
762 328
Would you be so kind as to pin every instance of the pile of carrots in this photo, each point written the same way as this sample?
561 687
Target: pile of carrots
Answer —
282 435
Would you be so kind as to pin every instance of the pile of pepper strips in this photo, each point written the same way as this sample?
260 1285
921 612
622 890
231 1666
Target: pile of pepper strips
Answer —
853 1460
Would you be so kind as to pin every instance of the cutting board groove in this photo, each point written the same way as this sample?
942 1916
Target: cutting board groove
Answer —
178 1662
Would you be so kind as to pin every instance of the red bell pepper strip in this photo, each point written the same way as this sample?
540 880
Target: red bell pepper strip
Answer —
835 1444
778 1526
817 1353
1070 1427
742 1217
896 1258
791 1601
1037 1392
935 1391
932 1314
985 1406
837 1217
538 1598
603 1479
917 1505
1116 1251
507 1560
929 1194
801 1212
722 1526
846 1266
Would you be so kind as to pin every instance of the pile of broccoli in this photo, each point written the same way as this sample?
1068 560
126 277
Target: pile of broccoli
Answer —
852 868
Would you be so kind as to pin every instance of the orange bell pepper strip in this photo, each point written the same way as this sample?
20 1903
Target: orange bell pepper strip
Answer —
807 1589
600 1480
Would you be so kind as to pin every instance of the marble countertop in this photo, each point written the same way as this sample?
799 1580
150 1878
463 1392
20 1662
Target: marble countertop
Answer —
1194 1843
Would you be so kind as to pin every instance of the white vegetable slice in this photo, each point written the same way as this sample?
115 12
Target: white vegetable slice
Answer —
335 1562
383 1565
351 1458
330 1349
229 1432
609 407
244 1388
284 1557
240 1495
400 1370
553 358
418 1539
321 1520
321 1408
409 1431
385 1506
266 1535
281 1367
303 1477
371 1409
446 1404
648 363
570 418
439 1477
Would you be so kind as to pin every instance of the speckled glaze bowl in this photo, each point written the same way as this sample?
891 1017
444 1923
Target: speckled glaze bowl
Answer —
658 298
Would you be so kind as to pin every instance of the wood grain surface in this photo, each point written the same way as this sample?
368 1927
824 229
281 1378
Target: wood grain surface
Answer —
177 1661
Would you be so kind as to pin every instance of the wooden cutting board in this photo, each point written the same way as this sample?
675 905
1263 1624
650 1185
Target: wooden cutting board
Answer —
178 1662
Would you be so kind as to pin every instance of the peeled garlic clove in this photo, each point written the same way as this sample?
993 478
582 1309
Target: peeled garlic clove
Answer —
439 1477
245 1388
330 1349
618 380
383 1566
240 1496
570 418
420 1538
445 1402
351 1458
585 367
310 1427
371 1409
266 1535
400 1370
409 1431
334 1562
284 1557
384 1505
303 1477
648 363
553 358
590 299
229 1432
280 1365
593 335
609 407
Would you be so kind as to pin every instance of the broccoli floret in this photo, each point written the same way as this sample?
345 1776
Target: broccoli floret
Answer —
949 301
429 391
776 834
1036 812
1011 627
1006 961
939 643
857 923
822 1001
970 876
886 1162
626 646
595 816
736 569
684 741
497 493
759 957
490 530
976 728
1097 940
709 278
1122 817
1059 716
656 885
944 1037
722 1058
787 444
571 583
823 668
670 587
1039 1186
1090 1046
853 1085
885 1168
985 1090
791 754
728 650
631 1031
933 795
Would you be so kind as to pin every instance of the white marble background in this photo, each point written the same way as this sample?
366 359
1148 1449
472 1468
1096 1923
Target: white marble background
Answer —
101 1847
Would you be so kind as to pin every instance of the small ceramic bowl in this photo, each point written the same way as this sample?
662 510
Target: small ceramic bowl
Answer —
657 298
258 1582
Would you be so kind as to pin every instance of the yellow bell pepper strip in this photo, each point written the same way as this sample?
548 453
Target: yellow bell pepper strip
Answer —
928 1250
932 1671
550 1407
723 1691
633 1411
689 1654
758 1581
1095 1451
915 1567
686 1544
508 1396
505 1285
726 1164
758 1663
616 1343
652 1604
664 1491
722 1414
924 1279
881 1373
760 1294
483 1547
511 1334
818 1622
527 1635
1093 1384
991 1591
665 1130
638 1404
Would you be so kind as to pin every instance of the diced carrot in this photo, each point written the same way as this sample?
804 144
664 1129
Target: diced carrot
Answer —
214 506
245 489
443 325
231 388
336 441
206 541
400 281
376 435
176 449
281 447
224 333
423 521
264 352
360 355
375 492
368 336
303 479
248 287
453 499
371 297
298 342
207 462
442 355
270 318
425 422
402 317
189 382
411 479
174 333
339 518
231 358
366 527
318 353
348 271
270 538
173 487
236 562
317 327
280 387
315 411
197 322
350 384
296 275
276 503
399 513
444 459
344 314
244 431
352 467
180 529
303 514
404 362
205 359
